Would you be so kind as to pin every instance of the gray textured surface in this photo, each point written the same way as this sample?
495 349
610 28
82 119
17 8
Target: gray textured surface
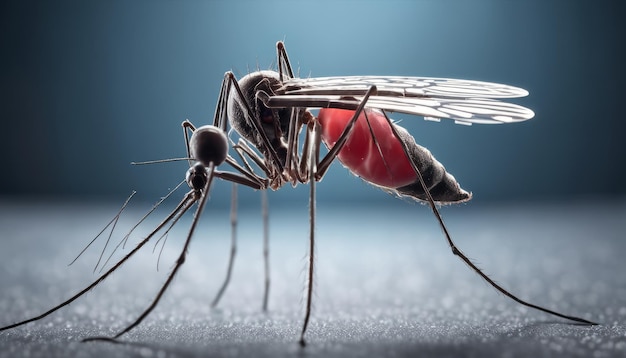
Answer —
386 285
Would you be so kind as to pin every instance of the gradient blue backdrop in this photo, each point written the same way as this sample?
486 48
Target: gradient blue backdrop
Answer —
89 86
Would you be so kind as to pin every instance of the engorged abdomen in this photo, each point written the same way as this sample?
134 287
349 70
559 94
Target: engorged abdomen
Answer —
375 154
384 165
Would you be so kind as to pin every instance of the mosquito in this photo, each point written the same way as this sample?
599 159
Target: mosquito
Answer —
271 112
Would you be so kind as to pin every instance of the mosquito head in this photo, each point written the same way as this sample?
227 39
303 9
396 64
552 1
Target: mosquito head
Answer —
196 176
274 121
208 144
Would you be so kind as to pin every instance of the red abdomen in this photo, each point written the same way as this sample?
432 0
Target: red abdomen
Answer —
372 152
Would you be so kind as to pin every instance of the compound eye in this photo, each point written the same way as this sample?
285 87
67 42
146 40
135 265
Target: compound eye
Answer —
196 176
208 144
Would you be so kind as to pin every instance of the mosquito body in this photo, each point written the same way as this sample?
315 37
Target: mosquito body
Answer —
270 111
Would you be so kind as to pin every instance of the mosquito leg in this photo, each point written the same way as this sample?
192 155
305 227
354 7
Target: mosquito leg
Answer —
245 170
187 126
291 161
324 164
196 195
284 67
253 120
220 119
110 271
243 149
266 247
229 83
179 262
313 154
233 245
309 287
303 168
125 238
460 254
241 179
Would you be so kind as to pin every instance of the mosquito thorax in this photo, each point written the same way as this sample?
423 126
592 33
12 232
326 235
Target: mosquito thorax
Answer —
274 121
208 144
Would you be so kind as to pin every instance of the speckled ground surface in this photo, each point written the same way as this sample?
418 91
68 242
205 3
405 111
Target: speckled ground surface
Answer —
386 284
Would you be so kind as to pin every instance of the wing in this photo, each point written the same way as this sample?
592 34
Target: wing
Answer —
403 86
464 101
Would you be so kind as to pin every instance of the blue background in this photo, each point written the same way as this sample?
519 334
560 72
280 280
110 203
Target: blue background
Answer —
88 87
